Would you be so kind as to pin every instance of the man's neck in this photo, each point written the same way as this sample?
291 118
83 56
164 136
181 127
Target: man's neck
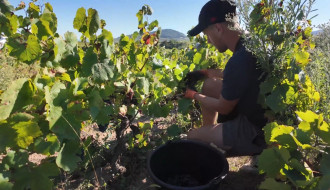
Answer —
234 38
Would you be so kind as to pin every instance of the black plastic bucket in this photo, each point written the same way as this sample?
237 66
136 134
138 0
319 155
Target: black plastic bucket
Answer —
187 165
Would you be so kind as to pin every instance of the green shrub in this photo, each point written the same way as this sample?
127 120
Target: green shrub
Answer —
319 67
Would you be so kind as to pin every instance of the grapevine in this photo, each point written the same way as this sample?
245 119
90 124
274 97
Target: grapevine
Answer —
91 79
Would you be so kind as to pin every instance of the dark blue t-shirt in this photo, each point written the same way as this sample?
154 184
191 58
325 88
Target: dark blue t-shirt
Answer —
241 80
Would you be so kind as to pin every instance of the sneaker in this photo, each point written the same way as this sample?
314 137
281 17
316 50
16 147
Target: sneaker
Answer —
183 136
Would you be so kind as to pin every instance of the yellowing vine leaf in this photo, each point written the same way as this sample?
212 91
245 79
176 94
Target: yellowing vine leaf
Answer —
26 51
33 10
26 132
308 116
302 57
79 20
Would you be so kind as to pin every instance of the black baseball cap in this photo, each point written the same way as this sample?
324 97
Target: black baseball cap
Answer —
214 11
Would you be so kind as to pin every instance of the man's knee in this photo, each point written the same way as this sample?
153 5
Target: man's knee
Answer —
208 134
212 87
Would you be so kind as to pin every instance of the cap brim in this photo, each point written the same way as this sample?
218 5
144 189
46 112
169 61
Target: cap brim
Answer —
196 30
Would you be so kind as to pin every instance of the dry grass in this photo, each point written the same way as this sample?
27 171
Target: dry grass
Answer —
11 70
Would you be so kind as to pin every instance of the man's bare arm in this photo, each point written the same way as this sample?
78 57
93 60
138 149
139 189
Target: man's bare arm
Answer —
220 105
214 73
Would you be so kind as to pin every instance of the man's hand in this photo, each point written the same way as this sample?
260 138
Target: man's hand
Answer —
193 77
190 93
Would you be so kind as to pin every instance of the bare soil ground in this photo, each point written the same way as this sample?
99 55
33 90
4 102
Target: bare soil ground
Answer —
129 172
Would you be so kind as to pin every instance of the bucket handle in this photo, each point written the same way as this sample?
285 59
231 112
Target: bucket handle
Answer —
217 179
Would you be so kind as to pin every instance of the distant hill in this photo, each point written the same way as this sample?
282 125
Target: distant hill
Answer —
168 35
317 32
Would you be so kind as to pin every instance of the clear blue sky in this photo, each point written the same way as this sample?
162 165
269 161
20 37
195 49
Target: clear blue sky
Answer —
180 15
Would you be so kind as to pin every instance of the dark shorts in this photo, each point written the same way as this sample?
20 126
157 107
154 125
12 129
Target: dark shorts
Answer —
240 134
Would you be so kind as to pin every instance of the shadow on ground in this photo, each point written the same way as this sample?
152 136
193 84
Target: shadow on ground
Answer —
233 181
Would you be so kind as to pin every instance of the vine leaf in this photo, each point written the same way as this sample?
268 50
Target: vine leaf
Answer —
324 132
66 52
281 97
156 110
184 105
106 50
272 160
89 60
80 20
65 126
178 72
280 134
174 130
313 121
49 21
15 159
324 182
18 117
197 58
102 72
302 57
4 21
70 59
287 141
11 97
271 184
304 126
93 21
78 85
157 62
47 146
280 130
152 25
48 8
106 34
296 177
26 51
67 158
5 6
143 85
10 22
55 110
103 117
33 10
46 26
5 184
107 47
71 41
26 132
95 104
37 177
308 116
267 86
297 173
7 137
59 49
124 43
